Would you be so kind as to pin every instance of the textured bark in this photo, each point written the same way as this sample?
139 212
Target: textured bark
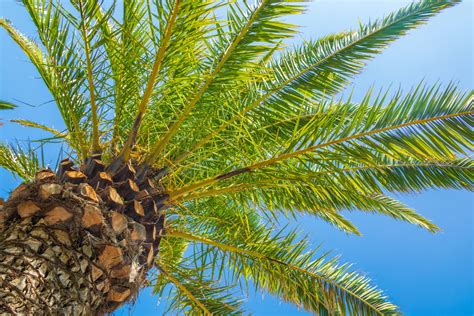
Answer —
68 245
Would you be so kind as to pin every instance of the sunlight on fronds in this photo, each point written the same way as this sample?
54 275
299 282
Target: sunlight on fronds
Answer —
194 293
41 126
278 262
427 124
21 162
239 132
4 105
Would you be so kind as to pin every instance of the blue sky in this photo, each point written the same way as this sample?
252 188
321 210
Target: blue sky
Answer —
424 273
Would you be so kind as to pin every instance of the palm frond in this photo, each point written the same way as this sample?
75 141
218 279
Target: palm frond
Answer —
249 30
164 39
324 67
325 200
334 186
4 105
23 163
252 33
130 50
280 265
392 175
88 31
427 124
193 293
160 54
58 68
43 127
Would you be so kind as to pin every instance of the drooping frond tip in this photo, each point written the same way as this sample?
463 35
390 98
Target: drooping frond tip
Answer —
21 162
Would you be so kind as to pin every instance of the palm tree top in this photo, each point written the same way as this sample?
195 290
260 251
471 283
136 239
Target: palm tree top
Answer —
241 129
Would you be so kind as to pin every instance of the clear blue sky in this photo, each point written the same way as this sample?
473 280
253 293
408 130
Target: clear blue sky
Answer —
424 274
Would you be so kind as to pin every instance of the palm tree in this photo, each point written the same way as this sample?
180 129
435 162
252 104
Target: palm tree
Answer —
188 135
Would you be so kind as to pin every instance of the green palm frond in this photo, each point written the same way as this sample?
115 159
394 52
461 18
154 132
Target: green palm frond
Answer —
23 163
252 32
332 187
58 68
128 46
280 264
172 251
192 292
413 114
184 27
401 176
43 127
427 124
324 67
324 201
4 105
248 31
89 29
160 55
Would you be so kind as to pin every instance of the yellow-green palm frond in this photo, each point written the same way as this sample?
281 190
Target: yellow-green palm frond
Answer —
279 262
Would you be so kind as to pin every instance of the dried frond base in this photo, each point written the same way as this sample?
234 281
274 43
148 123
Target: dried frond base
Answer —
76 244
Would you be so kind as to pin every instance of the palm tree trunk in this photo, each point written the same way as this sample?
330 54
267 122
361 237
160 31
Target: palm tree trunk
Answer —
67 247
41 272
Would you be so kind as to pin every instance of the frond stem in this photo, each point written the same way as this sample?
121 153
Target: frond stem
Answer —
151 82
271 184
90 82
